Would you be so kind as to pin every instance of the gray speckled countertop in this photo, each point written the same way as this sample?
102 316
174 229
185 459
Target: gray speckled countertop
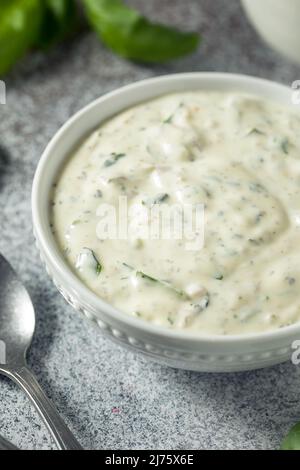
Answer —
110 397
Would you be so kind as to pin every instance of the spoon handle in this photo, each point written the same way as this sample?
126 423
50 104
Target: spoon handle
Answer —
63 437
6 445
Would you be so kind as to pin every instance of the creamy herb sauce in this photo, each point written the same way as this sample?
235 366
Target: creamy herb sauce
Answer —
239 156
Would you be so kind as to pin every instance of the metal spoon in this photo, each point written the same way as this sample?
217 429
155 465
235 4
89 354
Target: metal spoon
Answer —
17 324
6 445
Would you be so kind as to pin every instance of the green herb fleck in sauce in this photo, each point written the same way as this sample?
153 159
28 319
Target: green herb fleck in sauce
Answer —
159 199
88 259
166 284
115 157
285 146
163 283
169 119
218 276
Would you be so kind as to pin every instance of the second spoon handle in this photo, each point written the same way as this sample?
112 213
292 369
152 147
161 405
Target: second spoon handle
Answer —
63 437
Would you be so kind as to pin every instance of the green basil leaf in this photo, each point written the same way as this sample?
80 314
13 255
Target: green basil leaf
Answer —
59 19
20 21
292 440
131 35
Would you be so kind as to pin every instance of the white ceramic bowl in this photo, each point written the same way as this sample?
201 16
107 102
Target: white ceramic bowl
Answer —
174 348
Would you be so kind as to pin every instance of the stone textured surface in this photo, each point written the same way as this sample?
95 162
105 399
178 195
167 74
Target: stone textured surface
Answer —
110 397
